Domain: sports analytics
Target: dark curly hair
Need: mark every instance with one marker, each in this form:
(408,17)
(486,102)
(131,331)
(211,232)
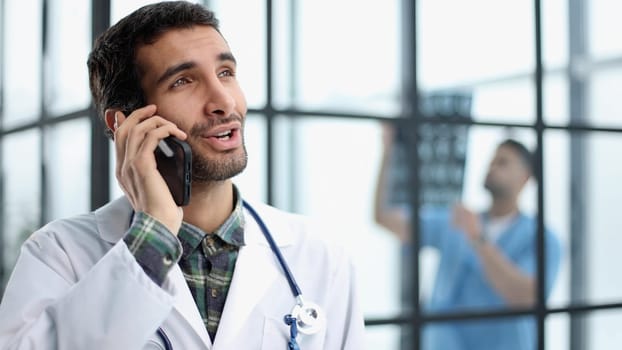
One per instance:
(114,77)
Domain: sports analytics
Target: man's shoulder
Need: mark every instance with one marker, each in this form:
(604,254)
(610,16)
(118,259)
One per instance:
(66,228)
(82,229)
(60,243)
(530,221)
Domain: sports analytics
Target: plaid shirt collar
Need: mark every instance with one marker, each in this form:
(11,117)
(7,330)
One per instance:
(231,231)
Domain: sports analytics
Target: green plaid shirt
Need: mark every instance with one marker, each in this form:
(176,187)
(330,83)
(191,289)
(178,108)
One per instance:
(153,246)
(207,259)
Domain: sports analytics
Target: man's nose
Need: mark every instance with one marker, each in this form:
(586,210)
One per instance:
(220,101)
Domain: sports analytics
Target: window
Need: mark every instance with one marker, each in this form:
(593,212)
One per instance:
(45,125)
(325,81)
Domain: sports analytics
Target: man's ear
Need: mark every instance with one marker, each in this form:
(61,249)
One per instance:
(113,118)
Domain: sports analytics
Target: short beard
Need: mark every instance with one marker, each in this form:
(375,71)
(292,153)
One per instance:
(206,170)
(495,191)
(211,170)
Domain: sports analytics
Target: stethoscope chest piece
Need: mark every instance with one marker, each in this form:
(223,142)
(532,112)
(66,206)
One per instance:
(306,318)
(310,318)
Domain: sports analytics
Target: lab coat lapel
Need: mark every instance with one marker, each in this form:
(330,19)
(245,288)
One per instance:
(185,305)
(113,220)
(255,272)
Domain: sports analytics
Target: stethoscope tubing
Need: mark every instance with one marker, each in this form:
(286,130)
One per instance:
(164,338)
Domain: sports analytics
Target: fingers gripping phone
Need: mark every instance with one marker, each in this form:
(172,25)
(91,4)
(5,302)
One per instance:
(174,160)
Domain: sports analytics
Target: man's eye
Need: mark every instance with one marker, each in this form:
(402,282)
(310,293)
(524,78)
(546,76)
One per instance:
(226,73)
(180,82)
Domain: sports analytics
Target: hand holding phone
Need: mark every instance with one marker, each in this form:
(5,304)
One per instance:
(174,161)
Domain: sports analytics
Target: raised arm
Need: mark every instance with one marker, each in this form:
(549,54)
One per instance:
(393,219)
(513,284)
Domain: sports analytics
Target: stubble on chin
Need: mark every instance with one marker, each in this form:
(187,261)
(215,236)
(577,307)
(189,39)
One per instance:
(206,170)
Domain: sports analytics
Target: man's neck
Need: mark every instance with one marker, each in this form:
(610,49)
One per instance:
(503,207)
(210,205)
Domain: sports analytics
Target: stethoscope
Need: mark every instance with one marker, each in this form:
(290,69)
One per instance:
(306,317)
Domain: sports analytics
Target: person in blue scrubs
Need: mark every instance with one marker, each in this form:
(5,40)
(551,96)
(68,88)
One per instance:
(487,260)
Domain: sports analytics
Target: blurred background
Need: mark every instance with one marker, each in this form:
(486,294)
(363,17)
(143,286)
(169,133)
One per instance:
(320,78)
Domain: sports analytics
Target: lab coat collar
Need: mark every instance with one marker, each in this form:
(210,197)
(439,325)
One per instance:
(280,229)
(113,220)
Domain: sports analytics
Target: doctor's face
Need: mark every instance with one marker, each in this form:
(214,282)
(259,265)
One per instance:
(190,75)
(507,174)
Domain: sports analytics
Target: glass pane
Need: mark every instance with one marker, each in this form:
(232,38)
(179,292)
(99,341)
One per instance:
(495,66)
(68,44)
(67,160)
(594,330)
(604,23)
(333,182)
(504,101)
(122,8)
(584,206)
(252,181)
(603,329)
(513,100)
(489,334)
(382,337)
(245,31)
(285,146)
(555,33)
(457,46)
(22,191)
(347,56)
(284,76)
(602,215)
(22,62)
(556,99)
(558,332)
(603,99)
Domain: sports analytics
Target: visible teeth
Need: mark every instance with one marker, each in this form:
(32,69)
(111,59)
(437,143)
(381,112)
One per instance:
(224,133)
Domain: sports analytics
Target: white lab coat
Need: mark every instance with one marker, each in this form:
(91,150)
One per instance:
(77,286)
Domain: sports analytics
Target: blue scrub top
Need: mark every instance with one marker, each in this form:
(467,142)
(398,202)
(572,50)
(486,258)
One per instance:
(461,284)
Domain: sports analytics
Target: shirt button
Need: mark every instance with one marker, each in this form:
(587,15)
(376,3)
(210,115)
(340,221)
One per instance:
(214,293)
(167,260)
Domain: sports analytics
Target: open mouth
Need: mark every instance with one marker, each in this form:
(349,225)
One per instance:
(224,136)
(224,140)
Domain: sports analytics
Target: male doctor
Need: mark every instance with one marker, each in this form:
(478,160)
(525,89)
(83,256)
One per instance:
(141,272)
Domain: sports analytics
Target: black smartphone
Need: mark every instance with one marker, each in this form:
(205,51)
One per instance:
(174,160)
